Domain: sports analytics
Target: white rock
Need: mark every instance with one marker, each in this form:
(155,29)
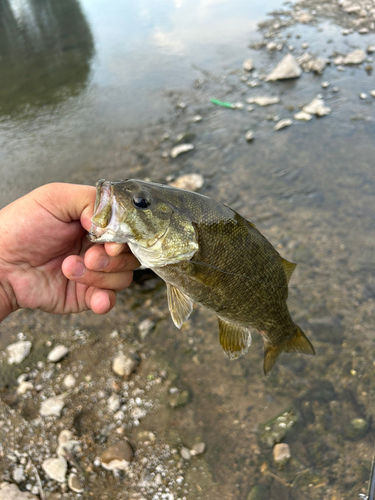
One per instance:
(124,365)
(191,182)
(18,351)
(11,492)
(303,17)
(248,64)
(181,148)
(305,45)
(18,474)
(263,100)
(24,387)
(59,352)
(185,453)
(286,122)
(316,107)
(281,453)
(302,115)
(117,456)
(355,57)
(372,92)
(197,118)
(55,468)
(362,95)
(198,449)
(74,483)
(325,85)
(249,135)
(287,68)
(114,402)
(271,46)
(317,65)
(69,381)
(145,327)
(65,436)
(52,406)
(371,49)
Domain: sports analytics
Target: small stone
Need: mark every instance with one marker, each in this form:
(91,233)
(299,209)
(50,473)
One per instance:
(52,406)
(303,17)
(263,100)
(355,57)
(275,430)
(249,135)
(362,95)
(65,436)
(287,68)
(248,65)
(281,453)
(363,31)
(250,108)
(10,491)
(123,365)
(371,49)
(356,429)
(191,182)
(335,89)
(69,381)
(181,105)
(238,105)
(305,45)
(302,115)
(372,92)
(271,46)
(74,483)
(145,327)
(325,85)
(198,449)
(114,403)
(185,453)
(19,474)
(180,399)
(58,353)
(55,468)
(316,107)
(117,456)
(283,124)
(197,118)
(18,351)
(181,148)
(25,387)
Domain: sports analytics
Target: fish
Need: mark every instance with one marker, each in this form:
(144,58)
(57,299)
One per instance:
(207,254)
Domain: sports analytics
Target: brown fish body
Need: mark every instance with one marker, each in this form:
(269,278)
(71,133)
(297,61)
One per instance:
(230,268)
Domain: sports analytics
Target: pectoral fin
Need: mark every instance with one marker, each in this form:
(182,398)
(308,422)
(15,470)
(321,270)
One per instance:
(180,305)
(289,267)
(234,339)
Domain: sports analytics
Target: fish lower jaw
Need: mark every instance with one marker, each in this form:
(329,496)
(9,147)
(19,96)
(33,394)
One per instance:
(107,236)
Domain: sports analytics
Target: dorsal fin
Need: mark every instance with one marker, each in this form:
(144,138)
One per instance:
(289,267)
(234,339)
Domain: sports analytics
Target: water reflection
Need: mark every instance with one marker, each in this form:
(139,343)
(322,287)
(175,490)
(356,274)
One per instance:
(46,48)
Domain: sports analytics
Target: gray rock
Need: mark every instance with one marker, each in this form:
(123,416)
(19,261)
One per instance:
(145,327)
(18,351)
(117,456)
(263,100)
(191,182)
(287,68)
(249,135)
(74,483)
(11,492)
(181,148)
(55,468)
(356,57)
(58,353)
(302,115)
(275,430)
(52,406)
(248,65)
(281,453)
(18,474)
(317,107)
(286,122)
(123,365)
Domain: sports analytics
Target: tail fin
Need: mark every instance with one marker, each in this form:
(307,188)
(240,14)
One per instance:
(297,343)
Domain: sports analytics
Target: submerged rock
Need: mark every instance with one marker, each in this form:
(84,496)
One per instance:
(302,115)
(263,100)
(123,365)
(10,491)
(75,484)
(283,124)
(52,406)
(287,68)
(198,449)
(59,352)
(281,453)
(182,148)
(372,92)
(249,135)
(248,65)
(191,182)
(355,57)
(275,430)
(18,351)
(371,49)
(258,492)
(55,468)
(317,107)
(117,456)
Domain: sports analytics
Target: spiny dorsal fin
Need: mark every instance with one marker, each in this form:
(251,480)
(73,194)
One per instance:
(180,305)
(297,343)
(289,267)
(234,339)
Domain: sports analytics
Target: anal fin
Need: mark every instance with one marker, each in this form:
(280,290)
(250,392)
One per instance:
(234,339)
(180,305)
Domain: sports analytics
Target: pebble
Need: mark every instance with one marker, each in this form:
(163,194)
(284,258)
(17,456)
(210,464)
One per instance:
(145,327)
(59,352)
(250,108)
(362,95)
(114,402)
(271,46)
(18,351)
(198,449)
(286,122)
(287,68)
(371,49)
(181,148)
(302,115)
(55,468)
(191,182)
(249,135)
(74,483)
(248,65)
(69,381)
(11,492)
(185,453)
(372,92)
(263,100)
(317,107)
(355,57)
(325,85)
(281,453)
(52,406)
(25,387)
(197,118)
(303,17)
(18,474)
(117,456)
(123,365)
(305,45)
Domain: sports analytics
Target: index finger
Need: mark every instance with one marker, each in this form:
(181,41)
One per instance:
(114,249)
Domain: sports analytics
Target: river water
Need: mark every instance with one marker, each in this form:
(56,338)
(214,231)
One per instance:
(93,89)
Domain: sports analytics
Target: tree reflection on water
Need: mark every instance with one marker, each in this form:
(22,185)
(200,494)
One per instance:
(46,48)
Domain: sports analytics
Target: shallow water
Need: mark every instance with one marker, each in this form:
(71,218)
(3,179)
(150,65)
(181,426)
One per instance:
(89,91)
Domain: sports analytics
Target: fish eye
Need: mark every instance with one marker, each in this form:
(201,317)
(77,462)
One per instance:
(141,201)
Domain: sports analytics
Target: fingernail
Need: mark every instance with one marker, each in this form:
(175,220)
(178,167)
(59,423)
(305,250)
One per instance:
(78,270)
(101,263)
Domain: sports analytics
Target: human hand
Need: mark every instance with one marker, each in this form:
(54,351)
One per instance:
(46,261)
